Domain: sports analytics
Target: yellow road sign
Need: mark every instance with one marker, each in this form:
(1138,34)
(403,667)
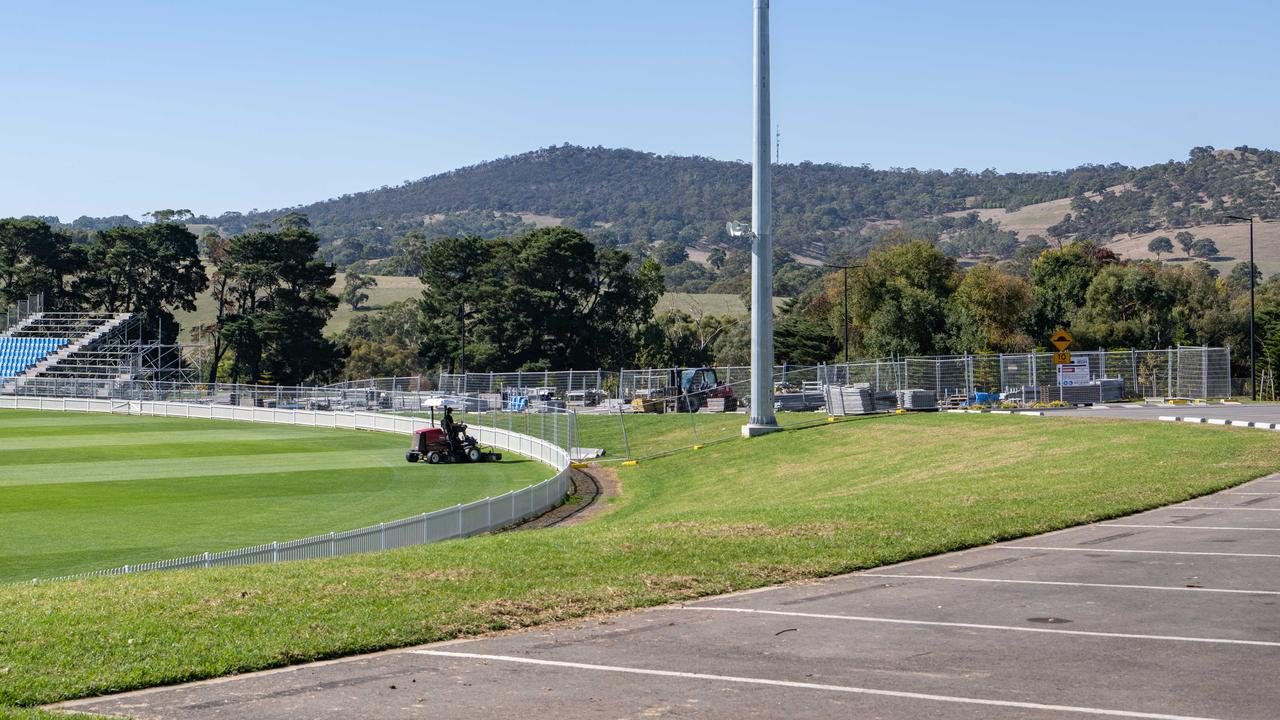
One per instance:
(1062,358)
(1062,340)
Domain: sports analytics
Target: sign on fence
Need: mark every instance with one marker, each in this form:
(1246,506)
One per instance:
(1074,373)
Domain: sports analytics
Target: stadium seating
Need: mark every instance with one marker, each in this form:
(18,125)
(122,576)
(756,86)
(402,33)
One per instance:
(18,354)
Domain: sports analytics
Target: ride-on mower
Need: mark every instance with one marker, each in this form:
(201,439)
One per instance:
(432,445)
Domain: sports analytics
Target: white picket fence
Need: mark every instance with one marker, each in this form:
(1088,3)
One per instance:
(459,521)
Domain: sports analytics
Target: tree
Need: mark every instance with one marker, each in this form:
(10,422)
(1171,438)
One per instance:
(35,259)
(799,339)
(353,290)
(372,359)
(1185,241)
(215,247)
(1159,246)
(1204,248)
(150,270)
(279,292)
(1126,306)
(991,312)
(898,301)
(1060,279)
(670,252)
(459,282)
(1238,280)
(397,320)
(548,298)
(676,339)
(716,258)
(163,217)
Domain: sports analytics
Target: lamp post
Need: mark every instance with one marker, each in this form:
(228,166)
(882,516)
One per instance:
(762,419)
(845,271)
(1253,281)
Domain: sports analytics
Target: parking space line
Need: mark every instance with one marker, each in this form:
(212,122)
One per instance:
(1059,583)
(1205,507)
(981,626)
(811,686)
(1250,493)
(1189,527)
(1141,552)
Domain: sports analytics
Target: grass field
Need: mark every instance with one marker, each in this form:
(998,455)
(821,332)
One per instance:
(84,492)
(800,504)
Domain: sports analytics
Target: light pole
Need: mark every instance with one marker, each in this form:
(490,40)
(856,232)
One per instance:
(845,271)
(762,419)
(1253,281)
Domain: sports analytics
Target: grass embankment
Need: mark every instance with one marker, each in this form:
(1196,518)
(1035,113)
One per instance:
(642,435)
(801,504)
(89,491)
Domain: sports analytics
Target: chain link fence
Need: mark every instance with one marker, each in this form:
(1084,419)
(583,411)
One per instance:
(1187,372)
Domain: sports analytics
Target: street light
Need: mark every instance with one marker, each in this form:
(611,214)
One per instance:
(1253,280)
(845,269)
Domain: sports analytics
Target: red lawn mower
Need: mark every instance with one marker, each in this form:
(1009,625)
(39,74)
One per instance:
(431,445)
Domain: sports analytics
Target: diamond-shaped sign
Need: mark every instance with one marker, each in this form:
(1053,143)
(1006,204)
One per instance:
(1062,339)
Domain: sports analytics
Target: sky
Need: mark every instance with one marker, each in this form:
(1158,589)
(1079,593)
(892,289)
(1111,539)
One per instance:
(125,107)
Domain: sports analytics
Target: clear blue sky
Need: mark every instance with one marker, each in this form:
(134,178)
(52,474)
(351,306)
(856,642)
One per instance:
(123,107)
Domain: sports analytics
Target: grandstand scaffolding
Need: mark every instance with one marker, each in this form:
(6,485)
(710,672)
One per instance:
(88,354)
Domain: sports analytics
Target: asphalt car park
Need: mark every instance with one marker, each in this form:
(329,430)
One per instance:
(1171,613)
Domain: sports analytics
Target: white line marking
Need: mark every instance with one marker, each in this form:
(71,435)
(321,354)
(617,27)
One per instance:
(1073,584)
(1249,493)
(810,686)
(1206,507)
(1187,527)
(1139,552)
(980,626)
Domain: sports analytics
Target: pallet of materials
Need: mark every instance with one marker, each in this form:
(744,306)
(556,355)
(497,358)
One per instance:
(845,400)
(917,400)
(720,405)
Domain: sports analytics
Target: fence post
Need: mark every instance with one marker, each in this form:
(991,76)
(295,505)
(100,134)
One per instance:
(275,551)
(333,544)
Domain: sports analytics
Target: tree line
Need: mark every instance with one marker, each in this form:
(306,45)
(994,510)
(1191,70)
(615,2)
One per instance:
(553,299)
(270,289)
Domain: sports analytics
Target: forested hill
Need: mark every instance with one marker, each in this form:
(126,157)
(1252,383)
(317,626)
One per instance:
(654,202)
(625,197)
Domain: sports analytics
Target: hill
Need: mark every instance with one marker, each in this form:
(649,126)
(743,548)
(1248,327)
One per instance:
(626,197)
(649,203)
(637,199)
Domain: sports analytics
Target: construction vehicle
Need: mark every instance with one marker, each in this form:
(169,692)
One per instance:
(692,389)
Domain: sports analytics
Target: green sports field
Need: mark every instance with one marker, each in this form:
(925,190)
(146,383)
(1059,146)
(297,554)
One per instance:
(87,491)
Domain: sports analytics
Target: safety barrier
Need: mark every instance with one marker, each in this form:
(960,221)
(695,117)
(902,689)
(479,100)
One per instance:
(459,521)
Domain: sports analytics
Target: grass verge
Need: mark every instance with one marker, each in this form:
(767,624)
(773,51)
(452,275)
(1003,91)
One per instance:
(801,504)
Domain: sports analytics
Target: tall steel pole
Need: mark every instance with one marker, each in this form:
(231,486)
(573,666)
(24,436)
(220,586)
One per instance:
(1253,343)
(762,419)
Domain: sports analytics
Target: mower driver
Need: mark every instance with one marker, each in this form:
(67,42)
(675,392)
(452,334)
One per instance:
(451,431)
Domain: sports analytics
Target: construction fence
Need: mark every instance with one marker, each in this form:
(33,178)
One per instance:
(1181,372)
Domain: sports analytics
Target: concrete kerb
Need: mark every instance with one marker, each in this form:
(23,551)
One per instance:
(1220,421)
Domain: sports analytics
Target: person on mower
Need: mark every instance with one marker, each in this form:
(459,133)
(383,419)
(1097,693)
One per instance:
(452,432)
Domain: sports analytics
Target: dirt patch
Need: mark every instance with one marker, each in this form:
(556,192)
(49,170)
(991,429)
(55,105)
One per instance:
(590,494)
